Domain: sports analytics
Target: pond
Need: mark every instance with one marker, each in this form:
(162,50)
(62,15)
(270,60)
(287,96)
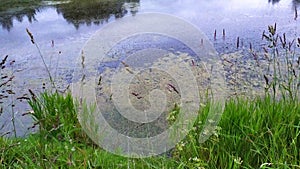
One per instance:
(61,28)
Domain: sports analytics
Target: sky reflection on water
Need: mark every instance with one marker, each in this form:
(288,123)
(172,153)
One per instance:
(246,19)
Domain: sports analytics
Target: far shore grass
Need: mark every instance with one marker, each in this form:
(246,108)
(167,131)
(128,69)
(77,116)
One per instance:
(7,5)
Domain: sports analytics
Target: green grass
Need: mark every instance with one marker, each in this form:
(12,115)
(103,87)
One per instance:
(251,134)
(55,114)
(14,4)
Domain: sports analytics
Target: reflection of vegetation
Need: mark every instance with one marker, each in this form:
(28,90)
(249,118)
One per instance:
(296,4)
(274,1)
(76,11)
(17,9)
(94,11)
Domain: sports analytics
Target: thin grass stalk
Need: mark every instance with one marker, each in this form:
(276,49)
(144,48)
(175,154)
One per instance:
(46,67)
(13,104)
(42,57)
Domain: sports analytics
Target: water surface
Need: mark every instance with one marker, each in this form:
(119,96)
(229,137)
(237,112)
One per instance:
(61,29)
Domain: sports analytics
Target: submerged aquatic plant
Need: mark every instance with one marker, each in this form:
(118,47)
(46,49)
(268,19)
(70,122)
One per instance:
(273,69)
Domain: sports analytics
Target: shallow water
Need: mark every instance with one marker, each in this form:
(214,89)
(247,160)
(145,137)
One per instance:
(61,34)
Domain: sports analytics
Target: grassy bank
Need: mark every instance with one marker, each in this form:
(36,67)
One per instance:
(255,133)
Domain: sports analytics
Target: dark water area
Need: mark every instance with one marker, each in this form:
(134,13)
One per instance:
(61,28)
